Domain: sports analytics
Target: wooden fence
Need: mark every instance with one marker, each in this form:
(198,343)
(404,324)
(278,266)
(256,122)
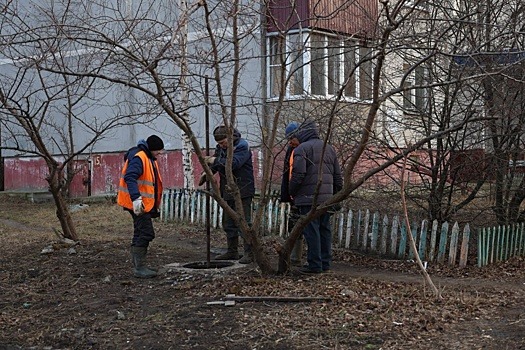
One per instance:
(500,243)
(369,232)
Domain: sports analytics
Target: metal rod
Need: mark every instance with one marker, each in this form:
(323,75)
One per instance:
(208,209)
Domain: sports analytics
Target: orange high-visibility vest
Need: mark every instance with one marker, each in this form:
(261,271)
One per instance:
(290,164)
(146,184)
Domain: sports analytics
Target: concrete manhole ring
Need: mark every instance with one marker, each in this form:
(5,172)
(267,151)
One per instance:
(204,267)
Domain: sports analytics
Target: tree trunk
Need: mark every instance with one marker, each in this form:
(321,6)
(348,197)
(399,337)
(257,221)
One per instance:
(63,215)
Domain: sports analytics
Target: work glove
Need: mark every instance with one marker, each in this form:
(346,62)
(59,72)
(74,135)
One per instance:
(202,179)
(210,160)
(138,206)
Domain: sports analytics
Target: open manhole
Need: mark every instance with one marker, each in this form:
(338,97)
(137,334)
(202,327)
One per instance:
(208,265)
(205,267)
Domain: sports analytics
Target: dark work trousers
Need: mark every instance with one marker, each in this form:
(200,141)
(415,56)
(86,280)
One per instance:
(143,231)
(293,217)
(228,224)
(318,236)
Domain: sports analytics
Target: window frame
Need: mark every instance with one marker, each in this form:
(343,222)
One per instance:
(415,91)
(329,83)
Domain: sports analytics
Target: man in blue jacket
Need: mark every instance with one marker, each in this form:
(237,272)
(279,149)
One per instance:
(242,168)
(140,193)
(316,176)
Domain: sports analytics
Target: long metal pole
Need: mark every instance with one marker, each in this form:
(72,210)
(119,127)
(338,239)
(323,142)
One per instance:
(208,210)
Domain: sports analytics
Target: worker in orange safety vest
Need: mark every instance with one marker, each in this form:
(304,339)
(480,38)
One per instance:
(140,193)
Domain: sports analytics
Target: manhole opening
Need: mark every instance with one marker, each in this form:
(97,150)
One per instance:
(210,265)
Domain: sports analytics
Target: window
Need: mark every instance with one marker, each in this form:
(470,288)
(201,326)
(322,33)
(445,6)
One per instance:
(317,66)
(276,64)
(350,69)
(312,63)
(296,50)
(334,66)
(415,95)
(365,73)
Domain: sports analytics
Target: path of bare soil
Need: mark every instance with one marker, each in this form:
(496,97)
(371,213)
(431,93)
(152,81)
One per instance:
(84,297)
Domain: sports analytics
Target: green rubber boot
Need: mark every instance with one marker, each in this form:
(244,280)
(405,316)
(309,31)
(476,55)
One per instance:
(247,258)
(140,270)
(233,250)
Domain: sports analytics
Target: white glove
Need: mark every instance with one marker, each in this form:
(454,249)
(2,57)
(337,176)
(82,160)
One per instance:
(138,206)
(209,159)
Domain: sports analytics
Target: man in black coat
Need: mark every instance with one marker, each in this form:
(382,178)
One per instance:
(315,163)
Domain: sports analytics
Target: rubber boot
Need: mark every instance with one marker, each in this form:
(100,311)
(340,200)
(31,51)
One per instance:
(233,250)
(247,258)
(140,270)
(296,257)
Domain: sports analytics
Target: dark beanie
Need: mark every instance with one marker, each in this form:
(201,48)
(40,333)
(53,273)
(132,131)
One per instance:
(155,143)
(291,129)
(220,133)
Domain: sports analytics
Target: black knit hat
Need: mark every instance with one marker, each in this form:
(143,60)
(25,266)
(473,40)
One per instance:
(155,143)
(220,133)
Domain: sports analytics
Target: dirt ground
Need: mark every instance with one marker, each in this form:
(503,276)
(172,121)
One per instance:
(84,297)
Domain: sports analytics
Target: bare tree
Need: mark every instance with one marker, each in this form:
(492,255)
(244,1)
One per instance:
(312,72)
(41,111)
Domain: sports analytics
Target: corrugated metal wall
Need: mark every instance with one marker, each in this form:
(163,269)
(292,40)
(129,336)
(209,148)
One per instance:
(29,173)
(358,17)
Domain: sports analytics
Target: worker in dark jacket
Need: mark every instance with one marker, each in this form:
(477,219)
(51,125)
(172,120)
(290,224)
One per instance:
(242,168)
(293,215)
(309,166)
(140,193)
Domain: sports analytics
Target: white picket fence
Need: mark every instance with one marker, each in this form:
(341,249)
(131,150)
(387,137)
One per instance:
(190,206)
(352,229)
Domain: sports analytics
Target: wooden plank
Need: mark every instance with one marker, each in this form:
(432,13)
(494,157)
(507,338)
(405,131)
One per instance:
(499,243)
(433,241)
(217,215)
(192,207)
(507,242)
(453,245)
(269,215)
(384,236)
(183,205)
(402,241)
(393,235)
(413,229)
(340,228)
(443,243)
(349,221)
(199,203)
(283,221)
(364,242)
(518,233)
(502,243)
(374,232)
(492,244)
(486,239)
(276,217)
(481,247)
(358,228)
(521,241)
(423,240)
(463,255)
